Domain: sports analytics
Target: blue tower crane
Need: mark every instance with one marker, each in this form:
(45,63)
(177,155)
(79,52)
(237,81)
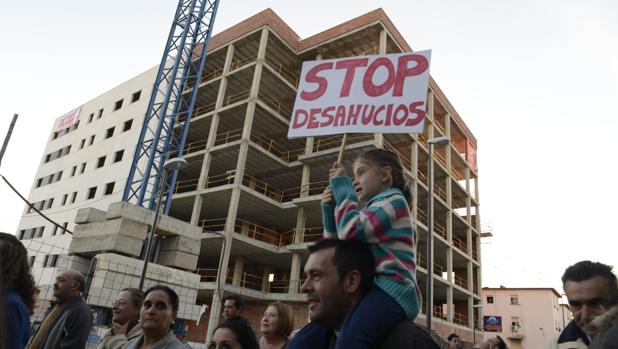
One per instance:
(167,118)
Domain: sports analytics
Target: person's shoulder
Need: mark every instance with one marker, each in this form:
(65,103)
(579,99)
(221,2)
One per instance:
(392,195)
(407,334)
(14,303)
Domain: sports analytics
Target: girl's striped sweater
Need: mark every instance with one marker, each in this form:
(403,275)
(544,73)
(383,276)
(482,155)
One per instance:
(385,224)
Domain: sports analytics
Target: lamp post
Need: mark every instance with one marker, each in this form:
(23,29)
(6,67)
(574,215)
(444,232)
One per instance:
(170,165)
(429,295)
(477,306)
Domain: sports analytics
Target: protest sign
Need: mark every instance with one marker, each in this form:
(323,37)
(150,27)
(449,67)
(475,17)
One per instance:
(367,94)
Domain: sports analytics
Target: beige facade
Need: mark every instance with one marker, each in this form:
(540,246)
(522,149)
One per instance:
(530,317)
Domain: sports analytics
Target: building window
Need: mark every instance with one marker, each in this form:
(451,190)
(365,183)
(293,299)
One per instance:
(127,125)
(118,155)
(50,203)
(91,140)
(64,199)
(100,162)
(100,113)
(64,227)
(90,118)
(39,182)
(91,192)
(20,235)
(490,300)
(58,176)
(514,300)
(73,171)
(50,260)
(118,104)
(73,196)
(136,96)
(55,231)
(31,260)
(109,188)
(109,132)
(82,168)
(39,232)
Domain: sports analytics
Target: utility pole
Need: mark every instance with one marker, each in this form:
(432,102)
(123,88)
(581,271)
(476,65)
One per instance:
(8,137)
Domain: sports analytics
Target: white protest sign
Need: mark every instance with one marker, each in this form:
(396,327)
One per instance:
(367,94)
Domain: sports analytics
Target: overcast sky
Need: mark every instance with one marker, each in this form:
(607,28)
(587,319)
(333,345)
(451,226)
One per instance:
(535,81)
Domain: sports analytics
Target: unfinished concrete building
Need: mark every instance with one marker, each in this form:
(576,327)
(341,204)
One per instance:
(256,193)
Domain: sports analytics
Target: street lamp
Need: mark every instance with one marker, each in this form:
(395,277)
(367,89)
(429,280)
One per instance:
(170,165)
(433,141)
(477,306)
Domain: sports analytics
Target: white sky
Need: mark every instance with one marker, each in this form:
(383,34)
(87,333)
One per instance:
(535,81)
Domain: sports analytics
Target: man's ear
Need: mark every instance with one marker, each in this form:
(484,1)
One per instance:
(352,281)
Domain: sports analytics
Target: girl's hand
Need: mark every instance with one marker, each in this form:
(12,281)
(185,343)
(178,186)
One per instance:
(337,170)
(327,196)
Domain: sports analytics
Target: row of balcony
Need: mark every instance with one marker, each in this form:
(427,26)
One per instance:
(257,185)
(270,284)
(264,234)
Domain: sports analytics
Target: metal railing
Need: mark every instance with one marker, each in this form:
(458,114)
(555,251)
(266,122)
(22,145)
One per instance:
(239,62)
(461,282)
(282,70)
(405,159)
(195,146)
(274,148)
(460,244)
(273,102)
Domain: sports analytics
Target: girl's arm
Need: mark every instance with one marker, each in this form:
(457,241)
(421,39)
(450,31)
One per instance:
(385,219)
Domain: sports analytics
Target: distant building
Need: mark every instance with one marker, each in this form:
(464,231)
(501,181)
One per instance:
(524,317)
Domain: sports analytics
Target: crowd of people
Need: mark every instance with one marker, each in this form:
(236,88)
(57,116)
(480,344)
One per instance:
(360,284)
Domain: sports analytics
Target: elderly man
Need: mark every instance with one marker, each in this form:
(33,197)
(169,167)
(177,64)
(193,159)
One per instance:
(339,273)
(68,323)
(591,288)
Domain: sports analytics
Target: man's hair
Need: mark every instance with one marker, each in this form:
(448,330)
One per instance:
(586,270)
(137,296)
(501,343)
(451,336)
(349,256)
(79,277)
(237,300)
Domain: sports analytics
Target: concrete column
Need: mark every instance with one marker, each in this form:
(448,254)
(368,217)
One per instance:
(468,200)
(450,308)
(265,284)
(295,273)
(239,265)
(470,312)
(379,137)
(212,134)
(383,37)
(470,277)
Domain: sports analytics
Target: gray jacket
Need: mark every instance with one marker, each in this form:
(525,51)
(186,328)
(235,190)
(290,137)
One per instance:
(71,328)
(167,342)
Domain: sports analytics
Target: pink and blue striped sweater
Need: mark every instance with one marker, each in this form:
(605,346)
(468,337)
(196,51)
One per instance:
(385,224)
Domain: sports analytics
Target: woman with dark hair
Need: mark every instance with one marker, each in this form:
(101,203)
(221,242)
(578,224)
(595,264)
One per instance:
(18,292)
(125,319)
(234,333)
(156,318)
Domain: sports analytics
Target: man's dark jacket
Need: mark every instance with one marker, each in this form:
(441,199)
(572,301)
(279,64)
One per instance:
(71,328)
